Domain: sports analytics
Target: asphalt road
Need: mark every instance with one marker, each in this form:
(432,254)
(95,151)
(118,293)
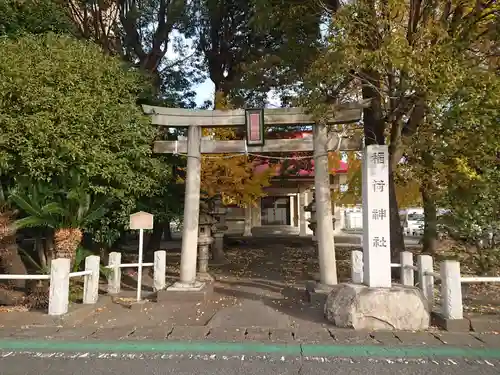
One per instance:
(35,363)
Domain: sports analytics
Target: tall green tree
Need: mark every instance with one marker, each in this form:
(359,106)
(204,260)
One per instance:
(244,43)
(403,56)
(456,159)
(33,17)
(142,32)
(65,106)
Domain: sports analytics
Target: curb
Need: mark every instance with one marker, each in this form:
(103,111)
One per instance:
(240,348)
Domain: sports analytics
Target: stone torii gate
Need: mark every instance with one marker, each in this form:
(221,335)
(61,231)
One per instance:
(255,121)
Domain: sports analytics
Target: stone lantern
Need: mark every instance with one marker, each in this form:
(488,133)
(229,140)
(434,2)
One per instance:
(311,207)
(219,213)
(205,239)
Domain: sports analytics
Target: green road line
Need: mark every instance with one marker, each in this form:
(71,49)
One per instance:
(248,348)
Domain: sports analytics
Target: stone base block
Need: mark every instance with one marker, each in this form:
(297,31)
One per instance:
(132,303)
(316,293)
(452,325)
(363,308)
(182,293)
(204,277)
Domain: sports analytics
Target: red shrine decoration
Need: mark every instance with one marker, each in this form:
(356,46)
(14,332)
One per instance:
(254,123)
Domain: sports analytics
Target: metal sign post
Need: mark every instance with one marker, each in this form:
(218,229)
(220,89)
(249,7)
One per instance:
(140,220)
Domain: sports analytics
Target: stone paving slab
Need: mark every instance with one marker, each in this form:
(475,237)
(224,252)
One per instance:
(227,334)
(319,336)
(75,333)
(151,333)
(490,339)
(250,313)
(457,339)
(189,333)
(417,338)
(385,338)
(113,333)
(34,332)
(281,335)
(484,323)
(352,337)
(258,334)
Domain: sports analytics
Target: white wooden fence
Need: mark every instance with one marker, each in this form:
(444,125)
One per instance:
(449,276)
(60,275)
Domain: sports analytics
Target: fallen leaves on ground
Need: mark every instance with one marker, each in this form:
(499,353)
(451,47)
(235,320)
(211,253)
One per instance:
(7,309)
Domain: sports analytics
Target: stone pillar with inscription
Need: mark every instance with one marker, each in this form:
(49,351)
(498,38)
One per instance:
(376,224)
(378,305)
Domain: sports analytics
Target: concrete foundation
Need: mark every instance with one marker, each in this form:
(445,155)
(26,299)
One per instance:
(453,325)
(317,293)
(179,292)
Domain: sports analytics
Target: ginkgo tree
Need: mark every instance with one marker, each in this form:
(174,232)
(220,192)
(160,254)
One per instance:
(455,156)
(407,187)
(404,58)
(230,176)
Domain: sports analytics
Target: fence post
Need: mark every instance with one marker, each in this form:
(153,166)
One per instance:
(407,272)
(115,274)
(451,290)
(91,281)
(426,280)
(160,269)
(357,267)
(59,286)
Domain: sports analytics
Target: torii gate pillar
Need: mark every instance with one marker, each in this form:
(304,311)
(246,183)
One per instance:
(189,249)
(324,222)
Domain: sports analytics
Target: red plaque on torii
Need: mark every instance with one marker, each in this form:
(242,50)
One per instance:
(254,123)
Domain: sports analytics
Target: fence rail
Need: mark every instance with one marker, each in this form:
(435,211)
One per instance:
(24,277)
(477,279)
(129,265)
(449,277)
(60,275)
(80,273)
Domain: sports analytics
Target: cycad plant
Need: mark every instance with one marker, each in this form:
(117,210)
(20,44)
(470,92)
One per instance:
(68,213)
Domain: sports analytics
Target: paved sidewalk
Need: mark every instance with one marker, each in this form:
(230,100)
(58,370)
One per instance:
(258,299)
(292,336)
(233,315)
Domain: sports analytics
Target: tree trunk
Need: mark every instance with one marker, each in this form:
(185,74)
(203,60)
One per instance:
(154,242)
(397,237)
(40,250)
(10,260)
(430,222)
(167,233)
(49,245)
(373,121)
(66,242)
(104,253)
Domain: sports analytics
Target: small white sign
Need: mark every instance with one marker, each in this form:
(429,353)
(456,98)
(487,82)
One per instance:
(141,220)
(376,221)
